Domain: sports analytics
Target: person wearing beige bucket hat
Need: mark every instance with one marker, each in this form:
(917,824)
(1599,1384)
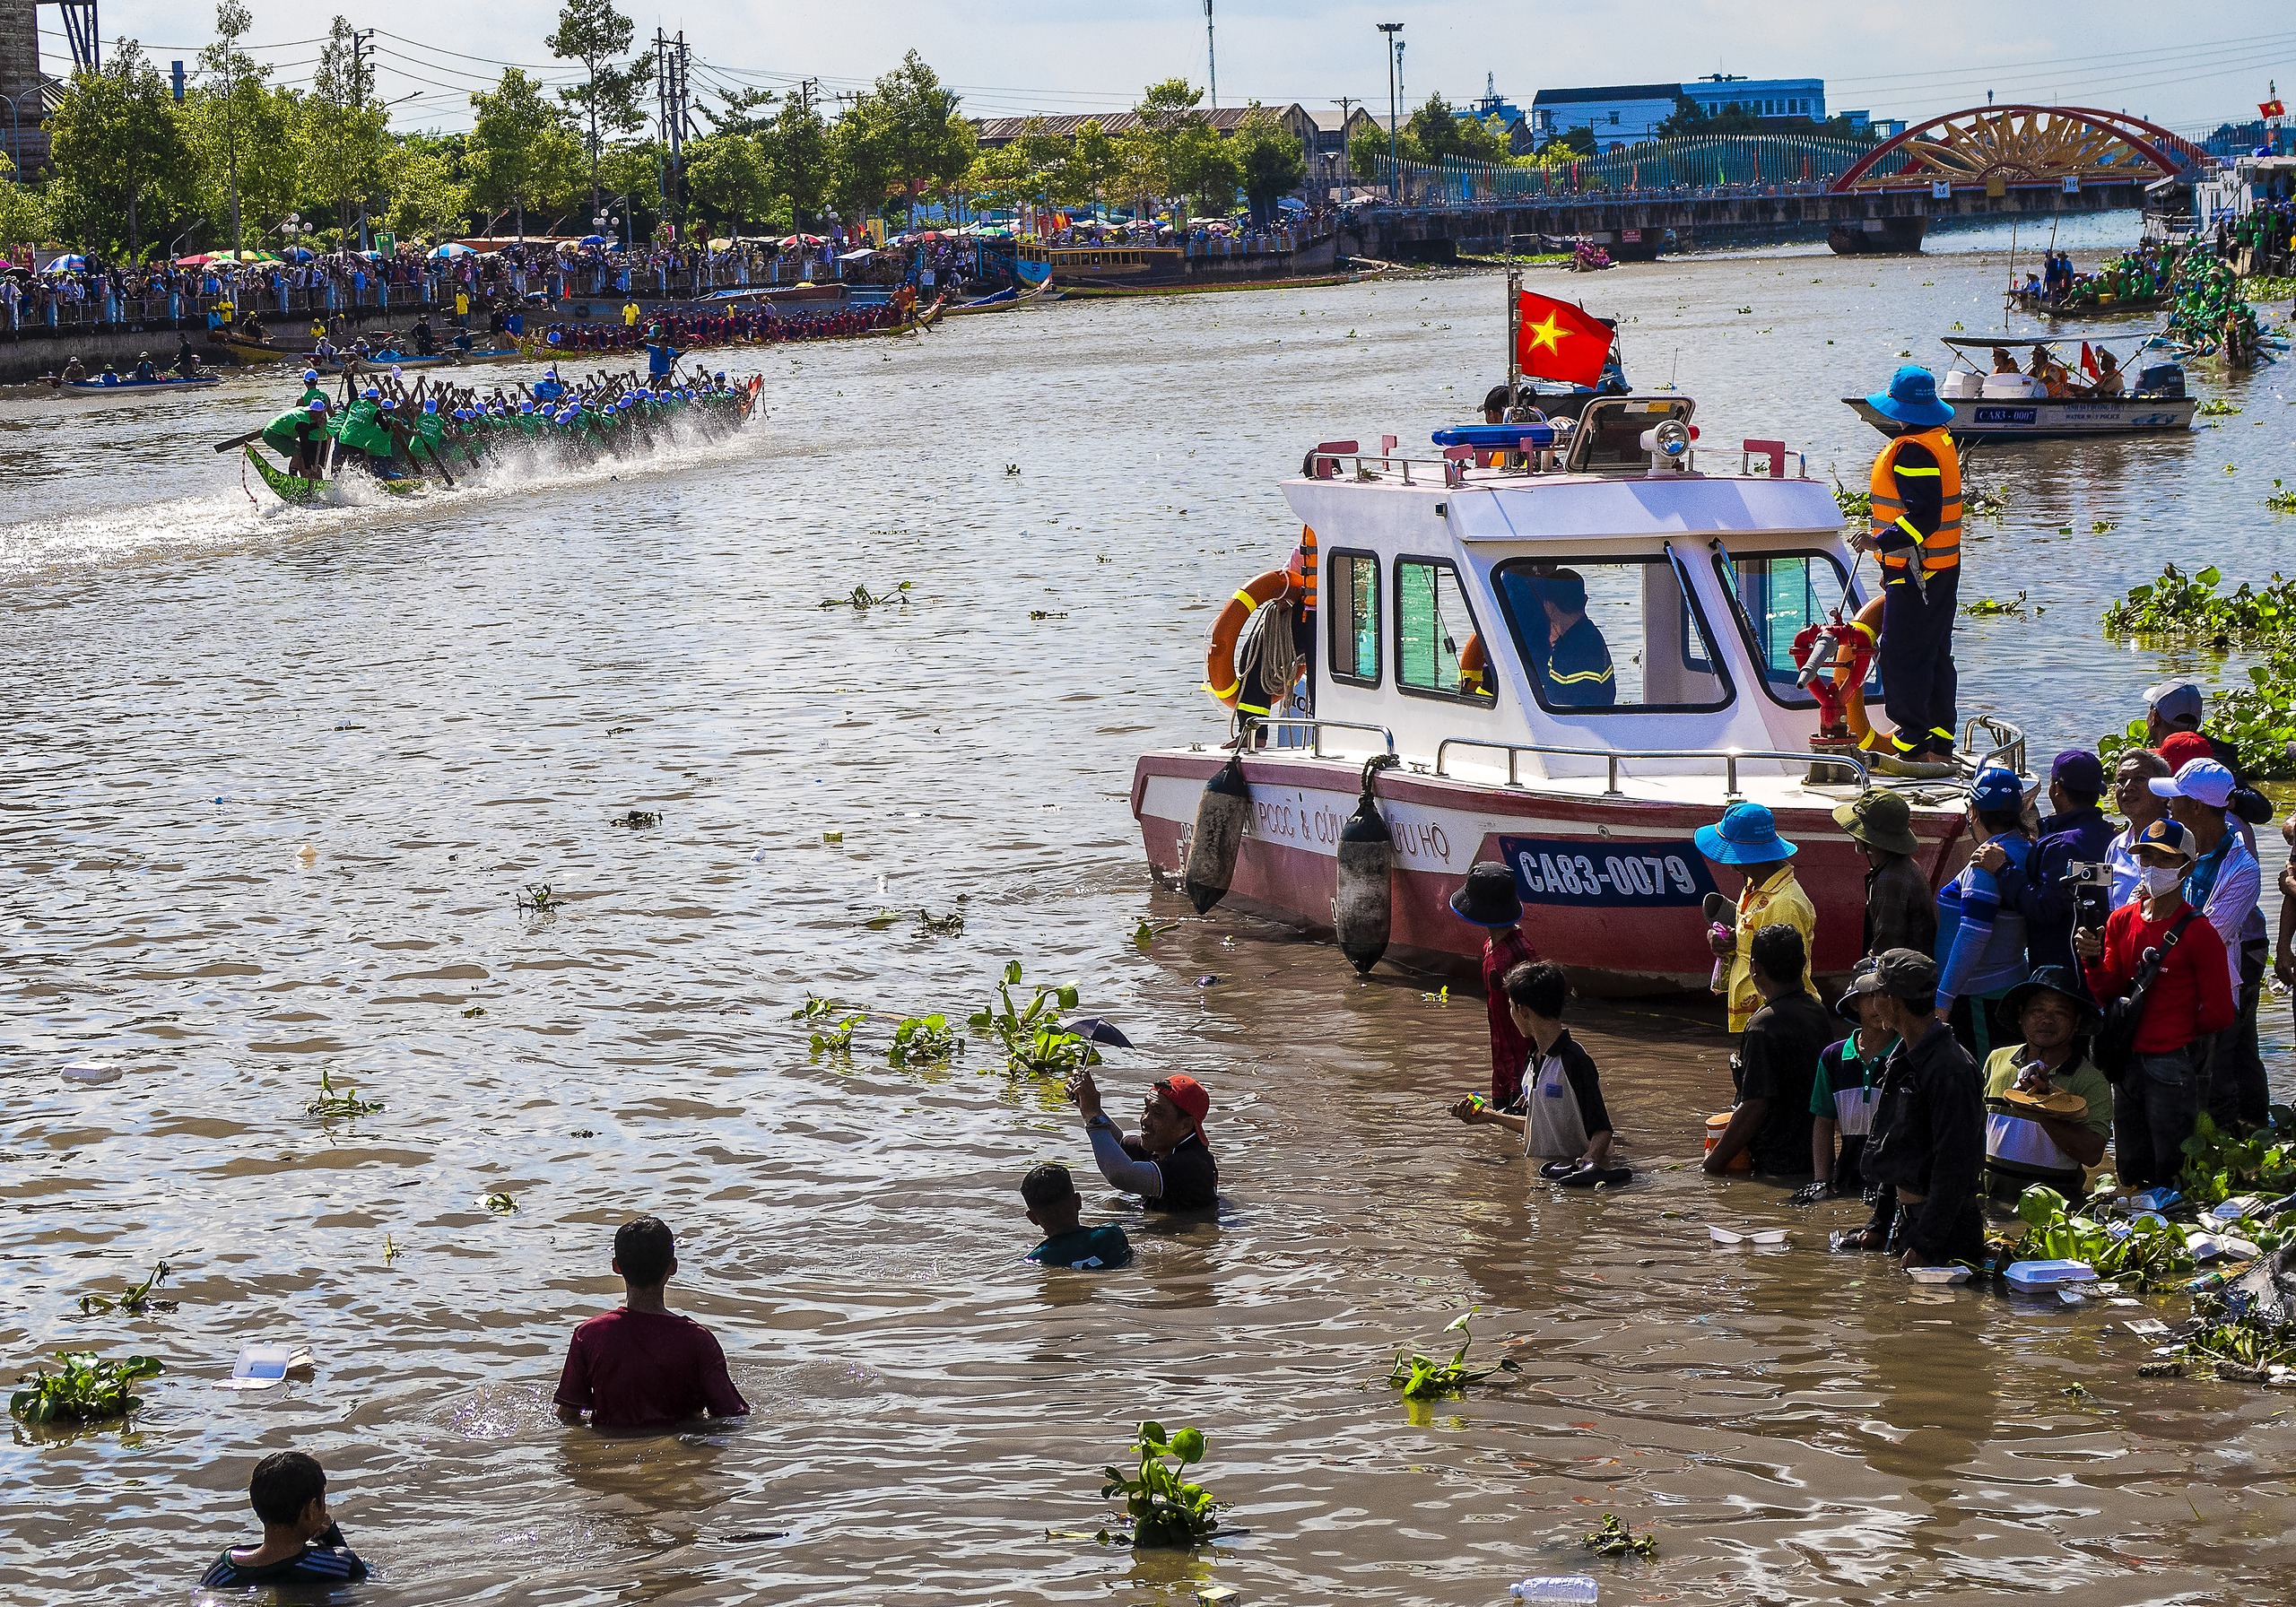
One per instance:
(1900,906)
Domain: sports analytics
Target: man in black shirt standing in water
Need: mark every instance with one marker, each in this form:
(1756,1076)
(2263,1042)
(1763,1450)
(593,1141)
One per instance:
(1168,1166)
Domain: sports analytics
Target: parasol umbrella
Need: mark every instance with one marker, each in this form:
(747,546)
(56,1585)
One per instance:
(66,265)
(721,245)
(594,239)
(452,249)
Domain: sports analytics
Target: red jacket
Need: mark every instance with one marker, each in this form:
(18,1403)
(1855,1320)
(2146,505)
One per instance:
(2191,998)
(1503,951)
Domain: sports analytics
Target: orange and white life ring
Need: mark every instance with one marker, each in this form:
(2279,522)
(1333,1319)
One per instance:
(1220,677)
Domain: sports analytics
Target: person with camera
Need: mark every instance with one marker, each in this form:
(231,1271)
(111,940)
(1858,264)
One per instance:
(2161,973)
(2073,837)
(2225,882)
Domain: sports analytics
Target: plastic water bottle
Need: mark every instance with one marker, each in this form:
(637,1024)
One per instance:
(1576,1588)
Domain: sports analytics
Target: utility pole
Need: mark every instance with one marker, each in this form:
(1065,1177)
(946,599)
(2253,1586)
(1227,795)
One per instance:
(670,97)
(1345,105)
(1210,57)
(360,84)
(1395,90)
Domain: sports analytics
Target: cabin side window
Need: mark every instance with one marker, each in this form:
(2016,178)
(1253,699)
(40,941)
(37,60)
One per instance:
(1350,596)
(1438,653)
(1776,596)
(1611,634)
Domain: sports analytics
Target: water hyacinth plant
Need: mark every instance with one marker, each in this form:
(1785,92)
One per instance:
(832,1024)
(1168,1511)
(1615,1539)
(334,1103)
(1034,1042)
(1424,1378)
(924,1040)
(84,1389)
(135,1299)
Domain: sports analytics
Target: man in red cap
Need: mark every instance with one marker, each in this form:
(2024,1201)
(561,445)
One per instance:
(1168,1166)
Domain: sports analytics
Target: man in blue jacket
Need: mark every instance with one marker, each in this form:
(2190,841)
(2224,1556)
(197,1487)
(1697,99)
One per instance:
(2076,833)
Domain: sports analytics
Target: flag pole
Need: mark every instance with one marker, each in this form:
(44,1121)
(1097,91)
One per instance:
(1514,311)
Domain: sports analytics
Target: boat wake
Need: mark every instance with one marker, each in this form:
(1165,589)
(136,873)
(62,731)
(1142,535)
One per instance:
(231,515)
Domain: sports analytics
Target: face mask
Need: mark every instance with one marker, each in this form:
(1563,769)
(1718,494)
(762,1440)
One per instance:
(2159,879)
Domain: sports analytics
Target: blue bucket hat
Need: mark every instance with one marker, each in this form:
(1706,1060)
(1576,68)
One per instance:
(1911,399)
(1748,835)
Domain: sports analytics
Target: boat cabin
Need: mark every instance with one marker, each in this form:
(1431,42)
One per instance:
(1598,593)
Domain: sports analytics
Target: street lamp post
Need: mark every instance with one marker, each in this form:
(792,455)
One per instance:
(1394,49)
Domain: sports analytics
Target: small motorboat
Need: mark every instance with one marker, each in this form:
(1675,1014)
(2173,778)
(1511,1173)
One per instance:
(2005,407)
(1560,646)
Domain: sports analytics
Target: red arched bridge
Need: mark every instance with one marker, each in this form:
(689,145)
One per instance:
(1995,148)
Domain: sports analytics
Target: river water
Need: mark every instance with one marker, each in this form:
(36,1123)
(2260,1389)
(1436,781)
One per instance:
(447,701)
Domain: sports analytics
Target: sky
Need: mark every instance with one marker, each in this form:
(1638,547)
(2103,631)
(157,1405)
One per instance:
(1895,59)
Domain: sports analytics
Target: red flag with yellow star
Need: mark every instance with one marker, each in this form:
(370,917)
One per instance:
(1554,340)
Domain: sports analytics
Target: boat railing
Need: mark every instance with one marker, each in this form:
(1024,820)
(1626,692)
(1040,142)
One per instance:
(2008,740)
(1252,728)
(1730,758)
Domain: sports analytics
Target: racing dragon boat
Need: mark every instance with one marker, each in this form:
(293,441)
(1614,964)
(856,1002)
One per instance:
(1561,647)
(466,447)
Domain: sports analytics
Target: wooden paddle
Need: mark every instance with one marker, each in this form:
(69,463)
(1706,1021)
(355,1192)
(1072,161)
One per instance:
(240,440)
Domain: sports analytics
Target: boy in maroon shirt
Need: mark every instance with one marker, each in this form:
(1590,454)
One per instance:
(644,1369)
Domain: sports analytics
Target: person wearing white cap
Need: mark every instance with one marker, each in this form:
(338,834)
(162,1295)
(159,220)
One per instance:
(2224,885)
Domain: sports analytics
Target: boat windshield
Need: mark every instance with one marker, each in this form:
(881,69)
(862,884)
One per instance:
(1610,633)
(1776,596)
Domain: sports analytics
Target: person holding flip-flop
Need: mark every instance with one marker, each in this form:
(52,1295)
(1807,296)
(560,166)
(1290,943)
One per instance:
(1560,1113)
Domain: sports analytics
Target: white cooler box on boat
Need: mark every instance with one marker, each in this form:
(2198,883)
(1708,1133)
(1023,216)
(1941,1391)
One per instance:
(2012,387)
(1962,385)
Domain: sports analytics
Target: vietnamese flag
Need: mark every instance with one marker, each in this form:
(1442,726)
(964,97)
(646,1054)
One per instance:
(2273,108)
(2089,361)
(1554,340)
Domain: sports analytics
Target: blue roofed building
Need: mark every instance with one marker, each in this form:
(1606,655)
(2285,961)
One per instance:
(1794,97)
(1618,114)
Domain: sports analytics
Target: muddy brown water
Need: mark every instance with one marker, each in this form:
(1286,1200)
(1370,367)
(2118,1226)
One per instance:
(448,701)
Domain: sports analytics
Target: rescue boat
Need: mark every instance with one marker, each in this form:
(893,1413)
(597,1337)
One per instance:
(1563,647)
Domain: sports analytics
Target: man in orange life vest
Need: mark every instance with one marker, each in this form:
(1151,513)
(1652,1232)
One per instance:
(1917,491)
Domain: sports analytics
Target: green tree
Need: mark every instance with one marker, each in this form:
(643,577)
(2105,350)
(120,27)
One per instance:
(1152,154)
(1270,162)
(521,153)
(727,180)
(23,219)
(611,99)
(913,123)
(345,130)
(1001,178)
(860,161)
(118,156)
(1434,131)
(1204,168)
(1571,142)
(260,123)
(1093,164)
(423,197)
(230,70)
(798,152)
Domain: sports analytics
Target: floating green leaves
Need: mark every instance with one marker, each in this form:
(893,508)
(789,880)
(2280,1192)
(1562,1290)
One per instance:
(1034,1042)
(1615,1539)
(334,1103)
(2178,605)
(135,1299)
(1167,1509)
(539,900)
(924,1040)
(635,819)
(84,1389)
(501,1204)
(862,599)
(2217,408)
(1146,932)
(832,1022)
(1987,607)
(1424,1378)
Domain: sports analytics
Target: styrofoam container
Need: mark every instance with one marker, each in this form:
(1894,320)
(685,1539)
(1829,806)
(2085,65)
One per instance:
(2049,1274)
(1938,1274)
